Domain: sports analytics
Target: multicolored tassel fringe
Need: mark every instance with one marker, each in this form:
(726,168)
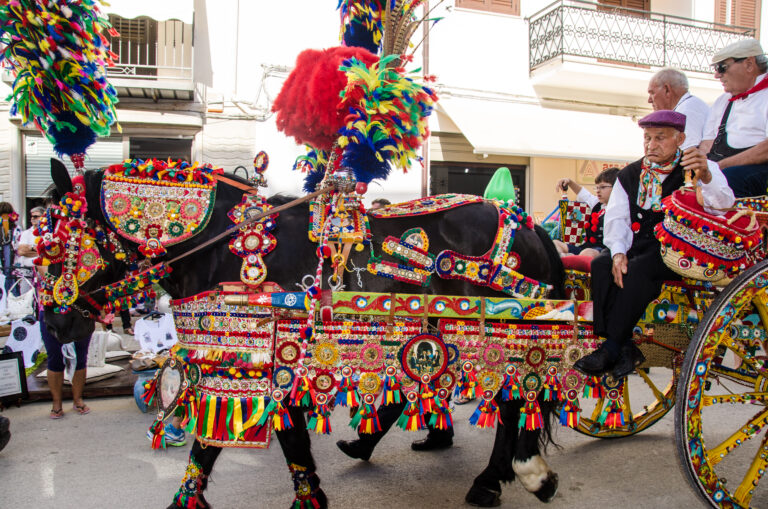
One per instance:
(530,416)
(486,415)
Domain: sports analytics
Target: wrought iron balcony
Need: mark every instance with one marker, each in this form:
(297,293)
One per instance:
(585,29)
(158,52)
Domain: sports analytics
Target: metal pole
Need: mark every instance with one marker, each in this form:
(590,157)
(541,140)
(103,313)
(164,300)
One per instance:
(425,68)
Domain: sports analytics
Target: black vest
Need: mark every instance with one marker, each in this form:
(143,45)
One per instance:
(720,148)
(641,220)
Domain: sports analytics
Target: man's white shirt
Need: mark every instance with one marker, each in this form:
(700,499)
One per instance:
(696,112)
(748,122)
(617,230)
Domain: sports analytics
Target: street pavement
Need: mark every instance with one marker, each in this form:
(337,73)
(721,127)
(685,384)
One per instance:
(104,460)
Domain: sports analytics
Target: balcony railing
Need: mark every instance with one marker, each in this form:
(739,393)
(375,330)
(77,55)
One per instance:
(586,29)
(151,50)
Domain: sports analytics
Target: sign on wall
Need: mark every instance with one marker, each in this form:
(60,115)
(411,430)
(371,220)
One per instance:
(587,170)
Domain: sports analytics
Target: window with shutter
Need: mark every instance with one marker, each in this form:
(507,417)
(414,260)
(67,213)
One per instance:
(640,5)
(740,13)
(500,6)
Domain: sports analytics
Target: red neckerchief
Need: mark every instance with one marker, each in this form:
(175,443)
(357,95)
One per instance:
(761,85)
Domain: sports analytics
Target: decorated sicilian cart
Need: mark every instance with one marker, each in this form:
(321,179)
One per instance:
(402,306)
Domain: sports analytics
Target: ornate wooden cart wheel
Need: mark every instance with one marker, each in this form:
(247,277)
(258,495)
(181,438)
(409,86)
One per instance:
(723,389)
(653,393)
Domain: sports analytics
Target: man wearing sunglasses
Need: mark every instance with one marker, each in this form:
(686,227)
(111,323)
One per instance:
(737,126)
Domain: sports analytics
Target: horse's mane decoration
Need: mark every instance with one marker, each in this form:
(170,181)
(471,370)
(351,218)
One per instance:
(158,203)
(58,57)
(703,246)
(66,238)
(255,241)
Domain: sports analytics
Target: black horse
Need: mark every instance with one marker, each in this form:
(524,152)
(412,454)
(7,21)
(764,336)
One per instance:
(469,230)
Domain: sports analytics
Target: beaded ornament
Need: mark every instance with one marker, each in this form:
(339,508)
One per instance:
(255,241)
(158,203)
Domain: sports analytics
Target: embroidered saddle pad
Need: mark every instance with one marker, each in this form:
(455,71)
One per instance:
(428,205)
(157,212)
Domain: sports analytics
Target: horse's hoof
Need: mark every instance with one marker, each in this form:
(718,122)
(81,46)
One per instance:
(480,496)
(548,488)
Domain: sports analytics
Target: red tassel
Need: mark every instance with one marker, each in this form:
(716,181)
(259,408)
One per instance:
(593,388)
(320,417)
(442,418)
(552,390)
(281,419)
(149,391)
(392,393)
(411,419)
(427,396)
(510,388)
(613,415)
(158,434)
(486,415)
(531,417)
(465,387)
(569,414)
(302,393)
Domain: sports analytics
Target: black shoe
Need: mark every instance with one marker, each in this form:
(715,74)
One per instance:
(597,363)
(355,449)
(629,358)
(431,444)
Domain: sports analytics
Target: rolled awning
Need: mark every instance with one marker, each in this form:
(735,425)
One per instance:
(159,10)
(516,129)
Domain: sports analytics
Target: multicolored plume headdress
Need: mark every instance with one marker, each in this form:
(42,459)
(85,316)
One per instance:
(58,56)
(352,108)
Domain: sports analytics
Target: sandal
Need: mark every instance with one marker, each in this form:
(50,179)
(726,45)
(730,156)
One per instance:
(82,409)
(462,400)
(57,414)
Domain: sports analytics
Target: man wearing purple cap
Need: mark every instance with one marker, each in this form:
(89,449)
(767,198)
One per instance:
(628,275)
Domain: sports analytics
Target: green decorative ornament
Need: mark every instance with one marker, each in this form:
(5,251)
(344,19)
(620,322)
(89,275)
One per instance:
(501,187)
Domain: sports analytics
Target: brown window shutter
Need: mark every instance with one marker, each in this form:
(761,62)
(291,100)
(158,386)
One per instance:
(502,6)
(641,5)
(744,13)
(720,11)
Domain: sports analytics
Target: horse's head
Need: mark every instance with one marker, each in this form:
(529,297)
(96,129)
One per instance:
(81,255)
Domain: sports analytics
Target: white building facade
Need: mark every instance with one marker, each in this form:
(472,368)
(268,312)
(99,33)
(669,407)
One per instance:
(549,90)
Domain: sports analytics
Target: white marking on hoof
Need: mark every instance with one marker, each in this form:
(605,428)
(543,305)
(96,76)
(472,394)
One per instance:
(531,472)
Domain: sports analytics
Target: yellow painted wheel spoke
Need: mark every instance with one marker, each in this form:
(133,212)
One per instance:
(747,487)
(626,407)
(598,409)
(745,432)
(745,397)
(734,347)
(656,392)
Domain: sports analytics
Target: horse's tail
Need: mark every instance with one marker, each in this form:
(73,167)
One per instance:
(558,272)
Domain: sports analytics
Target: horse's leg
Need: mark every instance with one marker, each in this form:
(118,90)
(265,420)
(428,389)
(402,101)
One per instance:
(486,489)
(201,460)
(531,469)
(296,449)
(362,448)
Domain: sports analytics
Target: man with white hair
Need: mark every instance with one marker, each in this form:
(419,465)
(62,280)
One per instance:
(668,90)
(737,127)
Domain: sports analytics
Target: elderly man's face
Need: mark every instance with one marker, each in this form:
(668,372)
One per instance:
(660,96)
(738,75)
(661,143)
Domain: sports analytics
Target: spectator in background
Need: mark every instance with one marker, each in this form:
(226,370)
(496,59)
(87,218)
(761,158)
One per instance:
(379,203)
(9,234)
(668,90)
(26,248)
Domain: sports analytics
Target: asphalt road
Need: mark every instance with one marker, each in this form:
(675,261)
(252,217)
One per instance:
(104,460)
